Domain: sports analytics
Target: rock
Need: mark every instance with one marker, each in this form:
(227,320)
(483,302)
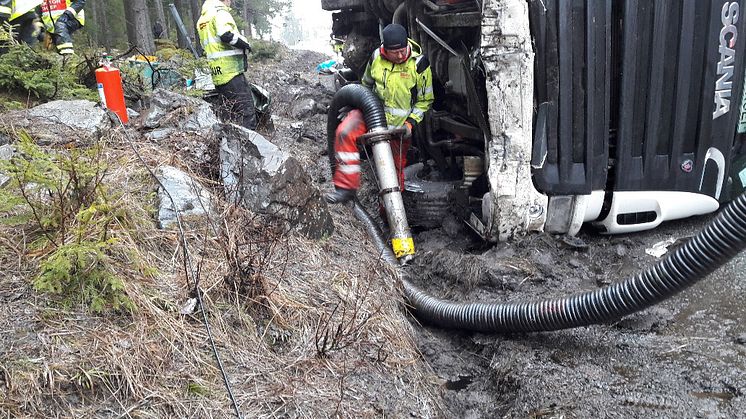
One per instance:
(573,242)
(267,180)
(169,109)
(190,197)
(620,250)
(132,114)
(159,134)
(303,108)
(60,121)
(741,339)
(453,227)
(6,152)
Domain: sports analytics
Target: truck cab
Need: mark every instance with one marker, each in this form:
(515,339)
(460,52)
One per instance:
(550,114)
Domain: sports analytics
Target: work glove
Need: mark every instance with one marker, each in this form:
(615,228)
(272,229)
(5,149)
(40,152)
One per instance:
(38,31)
(408,128)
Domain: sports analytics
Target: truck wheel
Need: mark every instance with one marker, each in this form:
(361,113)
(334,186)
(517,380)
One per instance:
(427,201)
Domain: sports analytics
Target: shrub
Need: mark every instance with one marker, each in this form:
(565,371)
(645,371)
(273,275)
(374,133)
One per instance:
(81,272)
(24,71)
(62,194)
(264,50)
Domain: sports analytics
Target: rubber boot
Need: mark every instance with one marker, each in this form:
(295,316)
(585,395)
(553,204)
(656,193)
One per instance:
(340,196)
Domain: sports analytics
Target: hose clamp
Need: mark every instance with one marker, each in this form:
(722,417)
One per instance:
(376,136)
(389,190)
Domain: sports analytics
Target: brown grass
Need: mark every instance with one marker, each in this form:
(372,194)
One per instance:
(305,328)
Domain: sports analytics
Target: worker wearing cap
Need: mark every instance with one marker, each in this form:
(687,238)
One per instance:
(399,74)
(61,19)
(226,51)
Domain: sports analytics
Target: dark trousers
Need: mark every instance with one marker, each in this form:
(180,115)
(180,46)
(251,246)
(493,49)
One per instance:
(236,104)
(24,28)
(64,29)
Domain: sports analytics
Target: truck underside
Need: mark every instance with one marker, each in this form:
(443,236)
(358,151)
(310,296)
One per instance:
(553,113)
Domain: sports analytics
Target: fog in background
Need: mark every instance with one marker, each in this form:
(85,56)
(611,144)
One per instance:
(304,26)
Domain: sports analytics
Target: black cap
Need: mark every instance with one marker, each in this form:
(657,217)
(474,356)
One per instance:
(394,37)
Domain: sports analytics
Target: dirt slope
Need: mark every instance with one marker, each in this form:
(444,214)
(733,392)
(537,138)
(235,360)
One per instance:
(311,329)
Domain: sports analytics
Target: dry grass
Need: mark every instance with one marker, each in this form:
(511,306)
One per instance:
(305,328)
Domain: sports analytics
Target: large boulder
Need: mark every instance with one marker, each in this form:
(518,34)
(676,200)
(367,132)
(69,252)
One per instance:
(60,121)
(172,110)
(192,200)
(259,175)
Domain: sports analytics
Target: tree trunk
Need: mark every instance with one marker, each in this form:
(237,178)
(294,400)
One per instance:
(185,19)
(103,25)
(139,28)
(248,18)
(160,11)
(196,12)
(95,12)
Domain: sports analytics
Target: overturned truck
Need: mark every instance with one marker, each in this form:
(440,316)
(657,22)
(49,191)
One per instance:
(554,113)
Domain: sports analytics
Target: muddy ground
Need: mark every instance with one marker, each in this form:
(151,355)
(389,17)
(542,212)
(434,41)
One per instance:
(683,358)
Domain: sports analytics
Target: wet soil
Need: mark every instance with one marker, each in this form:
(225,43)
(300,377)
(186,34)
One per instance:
(682,358)
(685,357)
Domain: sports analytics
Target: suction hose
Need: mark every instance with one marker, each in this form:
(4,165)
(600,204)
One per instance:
(378,136)
(721,240)
(353,96)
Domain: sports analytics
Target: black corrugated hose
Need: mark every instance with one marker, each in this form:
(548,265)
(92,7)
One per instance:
(721,240)
(353,96)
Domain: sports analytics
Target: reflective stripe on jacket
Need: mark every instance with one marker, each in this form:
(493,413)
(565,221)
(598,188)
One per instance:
(405,90)
(226,62)
(5,8)
(51,10)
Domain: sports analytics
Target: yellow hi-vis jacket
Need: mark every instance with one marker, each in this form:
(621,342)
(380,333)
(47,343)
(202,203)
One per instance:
(13,9)
(51,10)
(405,89)
(226,62)
(21,7)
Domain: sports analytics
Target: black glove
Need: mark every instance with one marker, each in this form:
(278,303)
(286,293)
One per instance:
(69,14)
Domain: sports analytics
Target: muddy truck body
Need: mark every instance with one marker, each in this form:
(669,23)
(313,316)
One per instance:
(554,113)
